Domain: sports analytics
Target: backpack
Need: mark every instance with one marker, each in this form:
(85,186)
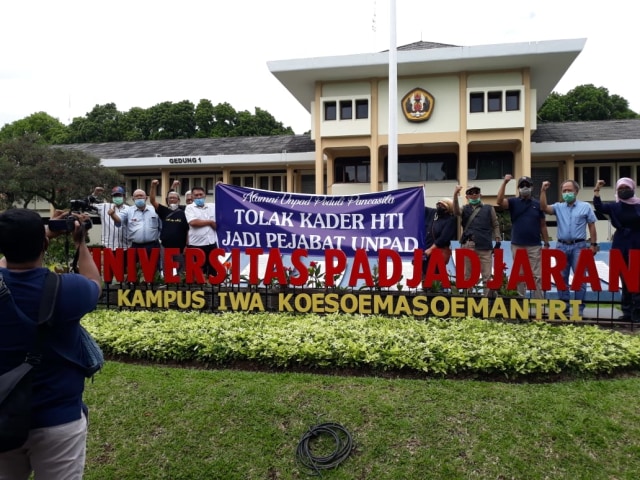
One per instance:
(15,385)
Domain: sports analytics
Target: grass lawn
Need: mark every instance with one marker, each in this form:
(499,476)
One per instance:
(160,422)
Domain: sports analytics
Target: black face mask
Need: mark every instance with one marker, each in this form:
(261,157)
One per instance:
(625,194)
(441,210)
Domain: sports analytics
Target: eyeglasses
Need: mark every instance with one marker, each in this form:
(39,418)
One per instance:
(473,193)
(524,185)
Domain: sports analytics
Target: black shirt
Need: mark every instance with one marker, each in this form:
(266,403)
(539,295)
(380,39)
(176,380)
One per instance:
(174,227)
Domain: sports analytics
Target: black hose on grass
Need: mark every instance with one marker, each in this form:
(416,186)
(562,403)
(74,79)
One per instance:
(343,447)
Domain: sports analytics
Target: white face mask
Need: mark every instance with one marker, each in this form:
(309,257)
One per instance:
(173,206)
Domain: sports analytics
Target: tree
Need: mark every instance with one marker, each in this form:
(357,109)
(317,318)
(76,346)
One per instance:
(51,130)
(260,124)
(172,120)
(585,103)
(33,169)
(102,124)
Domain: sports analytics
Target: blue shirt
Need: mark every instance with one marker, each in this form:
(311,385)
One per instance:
(58,384)
(143,226)
(525,221)
(573,219)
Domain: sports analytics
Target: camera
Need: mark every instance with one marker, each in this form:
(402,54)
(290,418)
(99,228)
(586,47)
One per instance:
(68,224)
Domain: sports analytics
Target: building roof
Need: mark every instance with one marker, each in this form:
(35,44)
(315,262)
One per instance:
(584,131)
(547,62)
(612,136)
(600,137)
(194,147)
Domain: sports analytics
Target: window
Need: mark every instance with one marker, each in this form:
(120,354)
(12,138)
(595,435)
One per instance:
(263,182)
(476,102)
(209,186)
(185,183)
(362,109)
(588,177)
(605,174)
(352,170)
(427,168)
(494,101)
(637,174)
(626,171)
(489,165)
(346,110)
(512,102)
(330,111)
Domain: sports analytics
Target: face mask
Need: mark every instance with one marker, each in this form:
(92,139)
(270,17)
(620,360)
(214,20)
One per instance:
(118,200)
(625,194)
(199,202)
(525,191)
(140,202)
(441,210)
(173,206)
(474,201)
(569,197)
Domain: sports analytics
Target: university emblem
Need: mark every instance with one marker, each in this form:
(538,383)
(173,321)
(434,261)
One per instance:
(417,105)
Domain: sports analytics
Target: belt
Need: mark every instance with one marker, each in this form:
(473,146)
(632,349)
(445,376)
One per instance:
(145,244)
(572,242)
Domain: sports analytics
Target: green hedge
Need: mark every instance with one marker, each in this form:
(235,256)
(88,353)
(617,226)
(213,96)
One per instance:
(432,347)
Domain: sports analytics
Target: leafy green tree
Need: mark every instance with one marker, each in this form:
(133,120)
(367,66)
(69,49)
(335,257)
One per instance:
(260,124)
(136,125)
(102,124)
(172,120)
(585,103)
(51,130)
(33,169)
(205,118)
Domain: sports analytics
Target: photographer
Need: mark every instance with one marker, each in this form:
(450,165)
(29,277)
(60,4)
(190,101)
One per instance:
(56,446)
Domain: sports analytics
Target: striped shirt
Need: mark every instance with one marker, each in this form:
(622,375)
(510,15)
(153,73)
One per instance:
(112,237)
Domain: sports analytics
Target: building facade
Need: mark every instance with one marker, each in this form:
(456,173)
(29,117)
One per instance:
(466,115)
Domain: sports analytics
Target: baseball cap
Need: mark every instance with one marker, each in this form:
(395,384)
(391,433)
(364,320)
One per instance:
(522,180)
(472,189)
(117,191)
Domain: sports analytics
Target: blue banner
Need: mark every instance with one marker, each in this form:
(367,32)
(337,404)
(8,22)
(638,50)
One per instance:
(251,218)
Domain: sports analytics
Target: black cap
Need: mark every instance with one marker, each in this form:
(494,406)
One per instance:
(521,180)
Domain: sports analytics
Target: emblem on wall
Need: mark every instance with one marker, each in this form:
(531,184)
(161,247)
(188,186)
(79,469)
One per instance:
(417,105)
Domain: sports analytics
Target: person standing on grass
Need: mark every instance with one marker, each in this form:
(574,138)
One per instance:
(56,446)
(574,218)
(625,217)
(528,228)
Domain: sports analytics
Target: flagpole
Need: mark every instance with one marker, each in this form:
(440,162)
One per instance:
(392,157)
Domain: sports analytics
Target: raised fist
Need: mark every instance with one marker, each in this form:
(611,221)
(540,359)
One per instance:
(155,182)
(601,183)
(546,184)
(508,177)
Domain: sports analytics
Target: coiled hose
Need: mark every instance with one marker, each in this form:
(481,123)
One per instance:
(343,447)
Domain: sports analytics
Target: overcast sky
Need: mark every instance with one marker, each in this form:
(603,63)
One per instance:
(64,57)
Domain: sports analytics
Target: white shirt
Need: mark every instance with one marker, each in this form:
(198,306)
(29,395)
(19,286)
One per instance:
(112,237)
(201,236)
